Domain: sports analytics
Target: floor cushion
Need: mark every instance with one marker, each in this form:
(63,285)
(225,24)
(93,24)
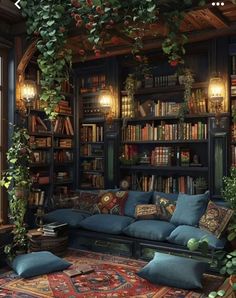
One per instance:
(183,233)
(38,263)
(174,271)
(149,229)
(189,209)
(135,198)
(106,223)
(70,216)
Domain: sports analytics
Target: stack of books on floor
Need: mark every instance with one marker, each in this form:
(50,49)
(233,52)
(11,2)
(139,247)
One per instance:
(55,229)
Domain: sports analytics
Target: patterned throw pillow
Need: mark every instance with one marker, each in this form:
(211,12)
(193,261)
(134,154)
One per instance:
(215,219)
(146,211)
(87,202)
(165,207)
(112,203)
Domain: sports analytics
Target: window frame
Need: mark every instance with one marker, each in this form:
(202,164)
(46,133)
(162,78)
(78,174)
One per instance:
(3,132)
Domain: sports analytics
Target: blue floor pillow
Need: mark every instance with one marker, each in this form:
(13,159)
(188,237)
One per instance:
(174,271)
(38,263)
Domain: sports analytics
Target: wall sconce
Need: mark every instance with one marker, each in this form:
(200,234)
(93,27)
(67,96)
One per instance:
(106,100)
(28,94)
(216,95)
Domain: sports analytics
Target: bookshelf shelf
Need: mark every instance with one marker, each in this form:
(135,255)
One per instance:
(167,89)
(37,165)
(165,168)
(92,171)
(91,156)
(63,148)
(58,135)
(41,134)
(166,142)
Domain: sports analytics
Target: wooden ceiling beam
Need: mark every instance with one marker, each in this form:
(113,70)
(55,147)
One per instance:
(216,18)
(157,43)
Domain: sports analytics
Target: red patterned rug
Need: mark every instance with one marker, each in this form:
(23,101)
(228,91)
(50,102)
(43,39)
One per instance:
(112,277)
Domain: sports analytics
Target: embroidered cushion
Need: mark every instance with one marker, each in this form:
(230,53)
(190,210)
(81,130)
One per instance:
(135,198)
(174,271)
(87,201)
(146,211)
(112,203)
(165,207)
(215,219)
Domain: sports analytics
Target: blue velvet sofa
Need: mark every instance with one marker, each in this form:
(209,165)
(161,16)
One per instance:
(139,238)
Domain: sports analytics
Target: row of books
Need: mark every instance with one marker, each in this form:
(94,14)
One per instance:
(233,84)
(184,184)
(127,107)
(66,86)
(91,133)
(39,142)
(96,164)
(36,197)
(92,83)
(40,156)
(91,149)
(150,132)
(36,124)
(233,65)
(63,143)
(63,125)
(40,178)
(62,176)
(63,107)
(91,107)
(92,181)
(63,156)
(233,155)
(233,132)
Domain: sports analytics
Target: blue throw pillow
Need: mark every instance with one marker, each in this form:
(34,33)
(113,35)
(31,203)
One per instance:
(37,263)
(189,209)
(135,198)
(182,234)
(71,216)
(174,271)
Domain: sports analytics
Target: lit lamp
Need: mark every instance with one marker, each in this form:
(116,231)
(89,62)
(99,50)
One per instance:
(106,102)
(216,94)
(28,94)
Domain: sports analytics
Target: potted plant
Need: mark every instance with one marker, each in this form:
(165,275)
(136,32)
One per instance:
(16,180)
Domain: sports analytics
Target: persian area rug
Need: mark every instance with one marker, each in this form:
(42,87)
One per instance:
(112,277)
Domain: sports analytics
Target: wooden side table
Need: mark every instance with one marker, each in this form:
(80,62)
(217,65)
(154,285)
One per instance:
(56,245)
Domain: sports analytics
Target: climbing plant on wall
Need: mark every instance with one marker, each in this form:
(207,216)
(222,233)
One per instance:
(98,22)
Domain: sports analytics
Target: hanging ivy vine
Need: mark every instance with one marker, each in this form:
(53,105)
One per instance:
(49,23)
(98,21)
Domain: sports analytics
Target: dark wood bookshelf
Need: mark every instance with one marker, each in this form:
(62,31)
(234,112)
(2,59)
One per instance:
(164,168)
(166,142)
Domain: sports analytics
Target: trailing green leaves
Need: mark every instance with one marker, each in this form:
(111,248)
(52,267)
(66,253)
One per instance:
(49,24)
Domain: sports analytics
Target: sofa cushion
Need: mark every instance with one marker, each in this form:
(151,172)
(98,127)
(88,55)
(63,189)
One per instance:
(112,203)
(182,234)
(38,263)
(70,216)
(146,211)
(106,223)
(165,207)
(87,201)
(174,271)
(149,229)
(189,209)
(135,198)
(171,196)
(215,219)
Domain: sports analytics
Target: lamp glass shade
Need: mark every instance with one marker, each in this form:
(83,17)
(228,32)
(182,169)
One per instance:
(216,89)
(105,99)
(29,90)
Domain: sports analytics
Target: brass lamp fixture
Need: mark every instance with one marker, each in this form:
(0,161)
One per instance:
(28,93)
(106,100)
(216,95)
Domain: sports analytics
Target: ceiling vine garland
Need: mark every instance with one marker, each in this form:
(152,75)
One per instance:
(98,22)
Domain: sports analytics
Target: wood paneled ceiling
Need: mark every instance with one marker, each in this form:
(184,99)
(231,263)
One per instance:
(201,23)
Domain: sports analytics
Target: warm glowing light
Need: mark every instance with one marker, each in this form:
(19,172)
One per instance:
(105,99)
(28,90)
(216,89)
